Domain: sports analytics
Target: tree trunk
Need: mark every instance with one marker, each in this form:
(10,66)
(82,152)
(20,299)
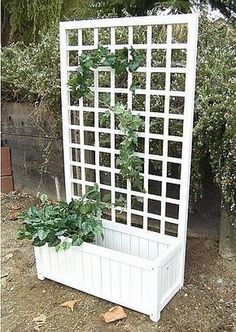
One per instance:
(227,245)
(5,26)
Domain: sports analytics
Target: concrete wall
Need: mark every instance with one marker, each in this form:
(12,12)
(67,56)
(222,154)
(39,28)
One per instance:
(27,143)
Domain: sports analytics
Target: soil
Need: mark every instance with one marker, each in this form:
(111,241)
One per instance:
(205,303)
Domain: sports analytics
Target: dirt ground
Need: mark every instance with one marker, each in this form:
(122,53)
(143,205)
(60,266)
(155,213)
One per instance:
(206,302)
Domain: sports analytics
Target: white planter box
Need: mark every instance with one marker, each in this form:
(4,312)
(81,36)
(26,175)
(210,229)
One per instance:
(136,269)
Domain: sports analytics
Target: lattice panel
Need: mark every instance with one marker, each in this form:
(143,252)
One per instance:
(164,99)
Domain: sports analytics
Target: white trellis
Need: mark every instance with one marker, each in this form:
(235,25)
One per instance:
(138,268)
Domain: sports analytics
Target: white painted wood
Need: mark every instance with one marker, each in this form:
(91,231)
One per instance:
(112,117)
(187,134)
(166,127)
(65,115)
(134,246)
(39,262)
(131,21)
(120,277)
(131,231)
(154,289)
(125,281)
(106,275)
(133,267)
(135,46)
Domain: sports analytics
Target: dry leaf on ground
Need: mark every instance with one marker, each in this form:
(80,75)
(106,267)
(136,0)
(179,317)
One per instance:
(15,207)
(7,257)
(114,314)
(40,319)
(70,304)
(14,216)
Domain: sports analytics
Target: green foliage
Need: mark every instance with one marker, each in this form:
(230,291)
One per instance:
(60,224)
(129,164)
(141,8)
(26,20)
(138,7)
(79,81)
(215,117)
(30,18)
(31,73)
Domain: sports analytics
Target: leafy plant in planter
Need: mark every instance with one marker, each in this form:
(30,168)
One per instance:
(62,224)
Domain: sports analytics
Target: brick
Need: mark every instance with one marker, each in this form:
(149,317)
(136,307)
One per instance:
(6,184)
(5,161)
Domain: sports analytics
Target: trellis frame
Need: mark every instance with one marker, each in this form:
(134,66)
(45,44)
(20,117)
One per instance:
(176,245)
(191,46)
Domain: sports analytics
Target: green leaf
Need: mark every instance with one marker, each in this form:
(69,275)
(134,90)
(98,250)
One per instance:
(61,232)
(43,198)
(66,244)
(54,242)
(104,119)
(94,193)
(20,234)
(42,234)
(85,227)
(38,243)
(76,240)
(32,211)
(132,88)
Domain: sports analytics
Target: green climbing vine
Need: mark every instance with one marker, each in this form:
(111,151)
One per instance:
(79,82)
(128,162)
